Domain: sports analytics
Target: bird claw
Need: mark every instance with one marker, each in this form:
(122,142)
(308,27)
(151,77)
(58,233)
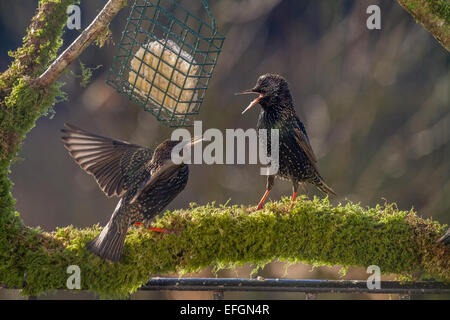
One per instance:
(160,230)
(166,231)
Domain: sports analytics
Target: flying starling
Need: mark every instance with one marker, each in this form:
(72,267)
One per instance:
(145,181)
(445,239)
(297,161)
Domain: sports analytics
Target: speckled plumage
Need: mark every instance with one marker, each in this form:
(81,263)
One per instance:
(145,181)
(296,157)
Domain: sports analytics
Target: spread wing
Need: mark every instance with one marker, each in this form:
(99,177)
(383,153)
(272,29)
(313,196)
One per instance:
(114,164)
(302,140)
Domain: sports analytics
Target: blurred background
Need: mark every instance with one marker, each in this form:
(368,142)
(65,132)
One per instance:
(375,104)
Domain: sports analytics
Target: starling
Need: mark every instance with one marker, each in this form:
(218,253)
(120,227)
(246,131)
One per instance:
(445,239)
(297,161)
(145,181)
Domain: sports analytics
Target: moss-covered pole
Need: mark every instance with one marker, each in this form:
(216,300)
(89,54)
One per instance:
(434,15)
(22,103)
(21,106)
(314,232)
(40,46)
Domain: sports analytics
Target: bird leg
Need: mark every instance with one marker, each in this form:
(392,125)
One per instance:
(261,202)
(294,192)
(270,180)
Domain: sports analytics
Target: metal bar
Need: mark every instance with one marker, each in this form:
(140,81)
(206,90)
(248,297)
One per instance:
(311,296)
(218,295)
(291,285)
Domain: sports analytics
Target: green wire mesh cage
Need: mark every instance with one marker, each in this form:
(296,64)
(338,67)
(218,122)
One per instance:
(166,58)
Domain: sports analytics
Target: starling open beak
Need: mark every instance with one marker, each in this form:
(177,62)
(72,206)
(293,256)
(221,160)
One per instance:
(194,141)
(254,102)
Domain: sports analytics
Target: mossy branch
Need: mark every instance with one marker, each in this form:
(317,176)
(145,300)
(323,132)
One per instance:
(434,15)
(313,232)
(91,33)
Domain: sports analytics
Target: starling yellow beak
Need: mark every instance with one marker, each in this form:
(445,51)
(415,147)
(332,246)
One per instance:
(254,102)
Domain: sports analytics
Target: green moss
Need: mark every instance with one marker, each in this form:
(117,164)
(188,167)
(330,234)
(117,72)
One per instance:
(86,74)
(442,9)
(434,15)
(314,232)
(104,38)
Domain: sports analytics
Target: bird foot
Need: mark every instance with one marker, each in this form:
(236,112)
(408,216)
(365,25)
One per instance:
(166,231)
(160,230)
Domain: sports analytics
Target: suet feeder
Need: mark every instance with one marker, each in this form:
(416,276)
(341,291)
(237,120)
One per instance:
(166,58)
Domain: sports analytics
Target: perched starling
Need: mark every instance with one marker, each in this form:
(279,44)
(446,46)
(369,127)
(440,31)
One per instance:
(445,239)
(145,181)
(296,157)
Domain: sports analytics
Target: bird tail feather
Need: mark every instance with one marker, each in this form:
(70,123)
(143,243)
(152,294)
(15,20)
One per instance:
(322,186)
(109,244)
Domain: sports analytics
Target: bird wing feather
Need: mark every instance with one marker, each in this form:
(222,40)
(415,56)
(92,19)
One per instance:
(302,139)
(113,163)
(162,174)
